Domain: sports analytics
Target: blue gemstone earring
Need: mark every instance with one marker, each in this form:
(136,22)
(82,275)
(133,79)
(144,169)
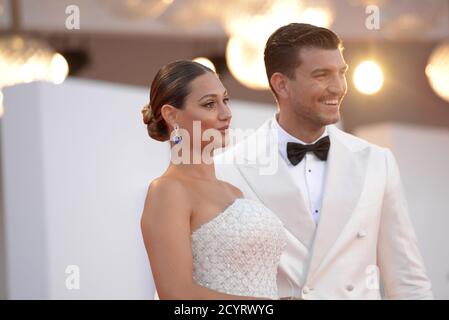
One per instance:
(176,138)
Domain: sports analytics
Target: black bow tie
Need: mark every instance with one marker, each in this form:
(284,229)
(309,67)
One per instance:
(297,151)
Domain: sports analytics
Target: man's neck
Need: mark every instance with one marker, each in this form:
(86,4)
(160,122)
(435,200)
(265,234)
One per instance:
(301,130)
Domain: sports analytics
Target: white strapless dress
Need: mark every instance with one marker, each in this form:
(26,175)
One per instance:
(238,251)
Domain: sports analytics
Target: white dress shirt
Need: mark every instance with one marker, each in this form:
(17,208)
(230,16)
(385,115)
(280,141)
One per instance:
(308,175)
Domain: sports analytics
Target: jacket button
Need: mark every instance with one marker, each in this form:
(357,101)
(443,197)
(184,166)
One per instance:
(349,287)
(361,234)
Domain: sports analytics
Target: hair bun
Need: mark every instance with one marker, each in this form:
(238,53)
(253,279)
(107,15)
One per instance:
(146,113)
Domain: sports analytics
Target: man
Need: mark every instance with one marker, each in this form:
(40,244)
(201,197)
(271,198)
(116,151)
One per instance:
(339,197)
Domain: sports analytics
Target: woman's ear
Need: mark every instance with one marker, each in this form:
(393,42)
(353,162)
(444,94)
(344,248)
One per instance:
(279,82)
(169,114)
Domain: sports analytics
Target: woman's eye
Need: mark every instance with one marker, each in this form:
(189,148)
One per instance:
(226,100)
(209,104)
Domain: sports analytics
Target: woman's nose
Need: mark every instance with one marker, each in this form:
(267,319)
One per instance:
(225,113)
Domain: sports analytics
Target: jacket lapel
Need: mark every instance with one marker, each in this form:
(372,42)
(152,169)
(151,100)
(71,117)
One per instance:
(344,182)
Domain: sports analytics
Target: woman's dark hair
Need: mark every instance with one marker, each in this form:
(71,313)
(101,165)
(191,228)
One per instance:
(282,47)
(171,85)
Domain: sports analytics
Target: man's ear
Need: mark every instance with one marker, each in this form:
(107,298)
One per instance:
(279,82)
(169,113)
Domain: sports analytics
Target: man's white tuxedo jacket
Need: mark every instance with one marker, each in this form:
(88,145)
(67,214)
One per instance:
(364,236)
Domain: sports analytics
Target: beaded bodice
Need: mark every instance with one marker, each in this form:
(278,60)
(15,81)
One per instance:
(238,251)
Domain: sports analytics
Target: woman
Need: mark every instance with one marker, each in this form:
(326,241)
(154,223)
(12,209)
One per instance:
(204,240)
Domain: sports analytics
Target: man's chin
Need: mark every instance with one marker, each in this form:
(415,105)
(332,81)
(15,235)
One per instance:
(330,119)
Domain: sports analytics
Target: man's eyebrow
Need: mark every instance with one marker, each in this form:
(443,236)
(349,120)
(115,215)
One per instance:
(318,70)
(213,95)
(345,67)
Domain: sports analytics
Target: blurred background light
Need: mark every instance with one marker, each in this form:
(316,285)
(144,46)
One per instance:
(248,34)
(23,60)
(368,77)
(245,62)
(437,70)
(133,9)
(247,23)
(206,62)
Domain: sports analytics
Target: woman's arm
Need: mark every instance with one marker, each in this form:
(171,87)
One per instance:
(166,231)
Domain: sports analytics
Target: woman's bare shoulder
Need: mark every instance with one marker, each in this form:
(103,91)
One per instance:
(167,193)
(166,184)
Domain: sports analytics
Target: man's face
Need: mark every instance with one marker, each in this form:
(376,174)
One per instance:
(316,92)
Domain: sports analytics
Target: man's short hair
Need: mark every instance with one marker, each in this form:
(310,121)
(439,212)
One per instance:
(282,48)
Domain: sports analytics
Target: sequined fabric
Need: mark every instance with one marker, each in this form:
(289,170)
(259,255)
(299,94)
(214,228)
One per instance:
(238,251)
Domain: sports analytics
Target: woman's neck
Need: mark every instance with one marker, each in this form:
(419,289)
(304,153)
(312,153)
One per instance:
(194,164)
(201,171)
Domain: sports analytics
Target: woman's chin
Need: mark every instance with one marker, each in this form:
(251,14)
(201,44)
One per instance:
(226,139)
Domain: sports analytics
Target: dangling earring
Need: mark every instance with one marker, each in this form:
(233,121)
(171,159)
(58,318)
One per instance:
(176,138)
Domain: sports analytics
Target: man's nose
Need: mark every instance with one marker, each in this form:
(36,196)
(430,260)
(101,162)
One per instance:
(338,85)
